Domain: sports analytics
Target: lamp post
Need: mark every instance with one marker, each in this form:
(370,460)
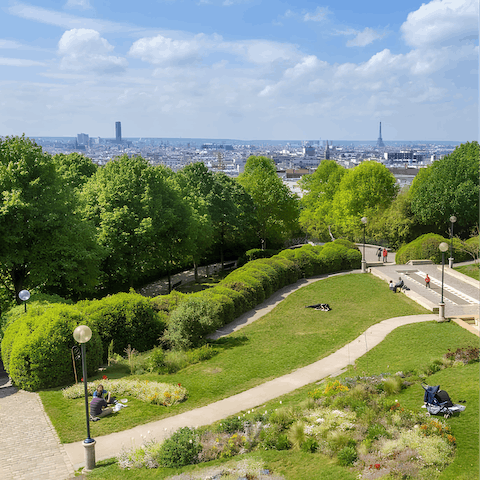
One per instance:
(364,261)
(443,247)
(24,295)
(453,219)
(82,334)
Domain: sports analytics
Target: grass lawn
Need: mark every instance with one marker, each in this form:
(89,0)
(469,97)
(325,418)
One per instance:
(289,337)
(411,348)
(470,270)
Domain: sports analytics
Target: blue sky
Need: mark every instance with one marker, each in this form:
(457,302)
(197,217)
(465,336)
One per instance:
(242,69)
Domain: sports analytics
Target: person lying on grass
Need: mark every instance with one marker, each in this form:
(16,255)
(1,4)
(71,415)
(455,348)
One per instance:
(98,405)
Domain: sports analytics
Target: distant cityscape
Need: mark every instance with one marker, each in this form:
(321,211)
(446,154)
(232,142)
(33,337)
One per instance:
(293,158)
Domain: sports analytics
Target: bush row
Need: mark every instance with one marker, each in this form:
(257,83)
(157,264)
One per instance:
(425,247)
(36,347)
(203,312)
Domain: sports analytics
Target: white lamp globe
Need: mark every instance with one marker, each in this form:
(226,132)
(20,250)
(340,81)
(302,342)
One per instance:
(443,247)
(82,334)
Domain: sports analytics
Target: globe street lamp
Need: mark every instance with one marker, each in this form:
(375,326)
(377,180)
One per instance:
(364,261)
(24,295)
(443,247)
(82,334)
(453,219)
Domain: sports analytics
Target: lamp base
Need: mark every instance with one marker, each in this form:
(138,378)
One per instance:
(364,266)
(441,313)
(89,445)
(450,262)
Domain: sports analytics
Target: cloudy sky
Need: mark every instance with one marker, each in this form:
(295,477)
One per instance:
(241,69)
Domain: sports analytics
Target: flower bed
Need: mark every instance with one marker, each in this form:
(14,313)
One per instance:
(151,392)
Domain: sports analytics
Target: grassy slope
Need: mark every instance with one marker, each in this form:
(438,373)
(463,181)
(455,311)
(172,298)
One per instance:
(470,270)
(409,348)
(289,337)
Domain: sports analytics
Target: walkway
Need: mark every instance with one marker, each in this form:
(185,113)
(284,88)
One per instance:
(29,444)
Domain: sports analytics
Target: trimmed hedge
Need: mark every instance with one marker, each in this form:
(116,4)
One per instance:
(250,285)
(127,319)
(425,247)
(36,348)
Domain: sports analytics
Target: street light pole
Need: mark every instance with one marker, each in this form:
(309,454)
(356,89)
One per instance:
(453,219)
(364,260)
(82,334)
(24,295)
(443,247)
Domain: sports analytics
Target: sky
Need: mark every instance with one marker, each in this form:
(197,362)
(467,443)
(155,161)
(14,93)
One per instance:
(241,69)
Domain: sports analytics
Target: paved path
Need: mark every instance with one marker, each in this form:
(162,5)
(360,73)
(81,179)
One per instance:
(29,446)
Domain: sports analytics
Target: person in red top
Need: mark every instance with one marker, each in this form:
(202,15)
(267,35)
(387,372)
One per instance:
(385,253)
(427,281)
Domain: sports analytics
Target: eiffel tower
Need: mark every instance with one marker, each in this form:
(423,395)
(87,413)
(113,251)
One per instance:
(380,143)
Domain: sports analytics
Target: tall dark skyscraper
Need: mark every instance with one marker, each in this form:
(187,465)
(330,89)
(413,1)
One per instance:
(118,132)
(380,141)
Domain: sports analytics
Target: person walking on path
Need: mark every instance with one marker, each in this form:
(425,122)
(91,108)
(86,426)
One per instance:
(385,253)
(427,281)
(379,253)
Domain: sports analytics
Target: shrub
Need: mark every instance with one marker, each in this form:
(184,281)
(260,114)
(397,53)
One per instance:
(155,360)
(125,318)
(425,247)
(181,449)
(392,385)
(309,446)
(347,456)
(36,349)
(231,425)
(190,322)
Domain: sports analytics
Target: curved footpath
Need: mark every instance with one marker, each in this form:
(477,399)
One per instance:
(30,446)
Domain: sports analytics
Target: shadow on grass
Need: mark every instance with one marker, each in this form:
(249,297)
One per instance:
(227,343)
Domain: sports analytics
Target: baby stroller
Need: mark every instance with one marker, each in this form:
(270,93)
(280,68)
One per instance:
(437,402)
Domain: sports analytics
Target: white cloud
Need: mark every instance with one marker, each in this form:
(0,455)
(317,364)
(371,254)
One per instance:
(65,20)
(162,50)
(83,49)
(441,22)
(318,16)
(9,44)
(367,36)
(20,62)
(82,4)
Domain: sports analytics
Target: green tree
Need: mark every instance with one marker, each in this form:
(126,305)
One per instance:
(366,190)
(42,242)
(316,215)
(139,217)
(276,207)
(196,183)
(75,169)
(231,211)
(448,187)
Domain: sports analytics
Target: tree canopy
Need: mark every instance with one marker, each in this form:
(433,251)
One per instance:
(139,216)
(448,187)
(42,241)
(276,207)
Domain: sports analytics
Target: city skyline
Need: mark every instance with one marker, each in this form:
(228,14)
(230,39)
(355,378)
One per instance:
(244,69)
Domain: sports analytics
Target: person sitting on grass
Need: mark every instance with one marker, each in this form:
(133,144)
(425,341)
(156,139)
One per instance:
(98,405)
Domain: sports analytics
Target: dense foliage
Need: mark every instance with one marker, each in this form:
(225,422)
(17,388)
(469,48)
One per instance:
(126,319)
(201,313)
(425,247)
(36,347)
